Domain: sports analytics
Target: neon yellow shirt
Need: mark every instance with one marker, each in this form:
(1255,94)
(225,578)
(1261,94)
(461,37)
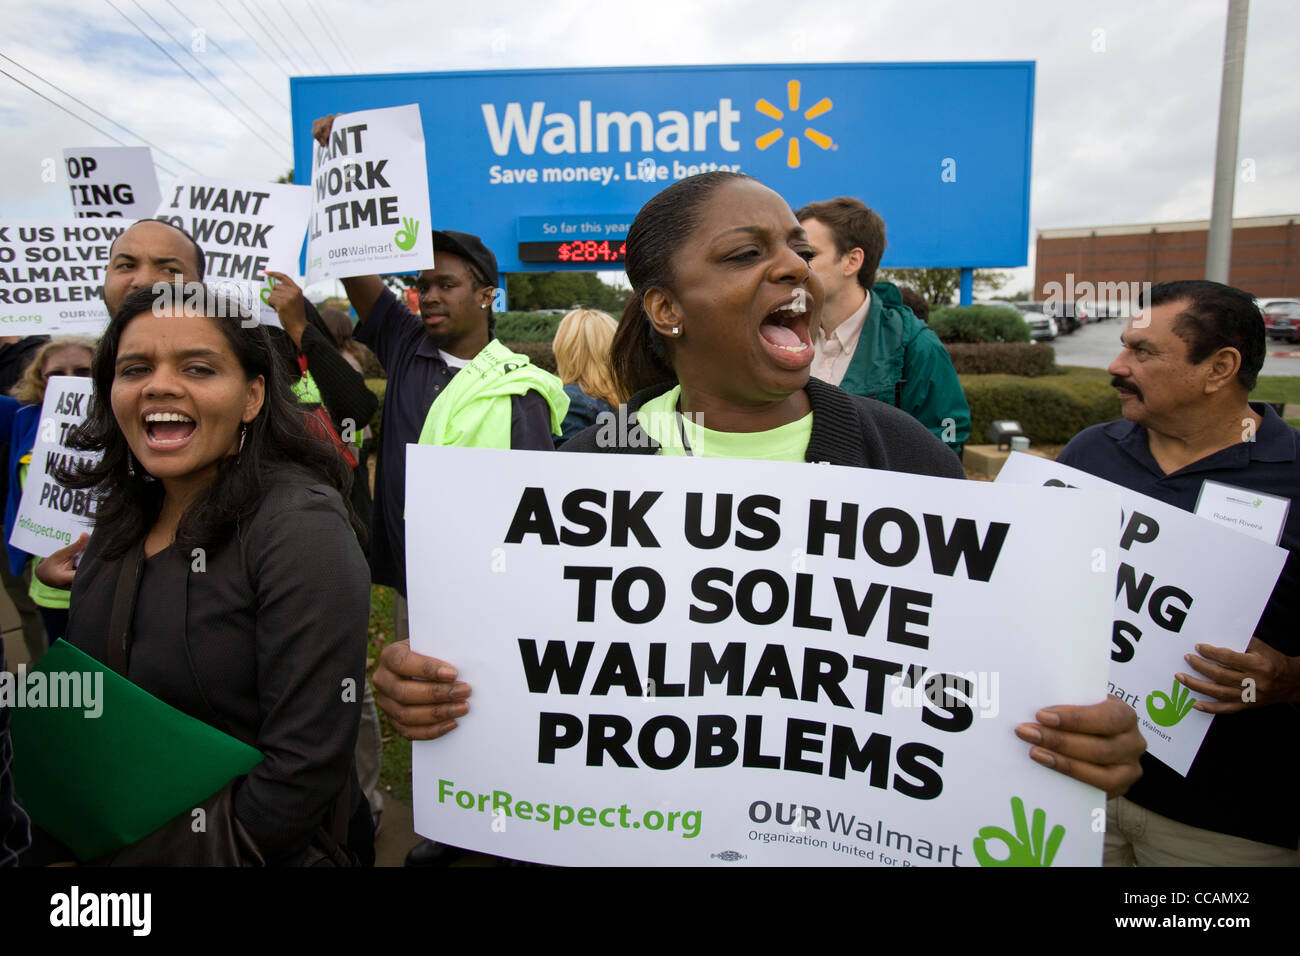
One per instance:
(661,422)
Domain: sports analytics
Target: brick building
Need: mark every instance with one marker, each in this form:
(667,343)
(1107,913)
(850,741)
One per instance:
(1265,256)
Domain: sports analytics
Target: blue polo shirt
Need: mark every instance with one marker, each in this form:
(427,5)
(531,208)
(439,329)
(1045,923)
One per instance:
(1246,778)
(417,374)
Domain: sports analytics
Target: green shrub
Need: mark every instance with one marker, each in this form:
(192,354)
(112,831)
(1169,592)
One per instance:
(539,353)
(1010,358)
(527,326)
(979,323)
(1051,409)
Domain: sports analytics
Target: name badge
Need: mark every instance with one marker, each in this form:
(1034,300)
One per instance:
(1250,512)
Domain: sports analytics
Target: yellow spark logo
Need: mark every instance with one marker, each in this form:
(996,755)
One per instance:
(792,149)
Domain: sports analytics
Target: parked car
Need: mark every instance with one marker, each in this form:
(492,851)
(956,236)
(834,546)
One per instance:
(1042,327)
(1281,318)
(1068,315)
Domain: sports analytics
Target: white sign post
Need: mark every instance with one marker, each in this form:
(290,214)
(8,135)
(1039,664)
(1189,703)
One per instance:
(51,275)
(1169,596)
(112,181)
(370,197)
(51,516)
(670,666)
(244,227)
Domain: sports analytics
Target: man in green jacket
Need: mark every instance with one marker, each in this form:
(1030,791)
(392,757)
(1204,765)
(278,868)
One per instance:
(870,342)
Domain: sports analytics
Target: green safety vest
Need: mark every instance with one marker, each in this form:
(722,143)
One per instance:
(474,410)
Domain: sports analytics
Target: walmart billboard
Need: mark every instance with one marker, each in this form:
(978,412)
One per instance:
(550,166)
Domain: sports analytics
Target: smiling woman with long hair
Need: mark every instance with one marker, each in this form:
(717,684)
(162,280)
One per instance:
(716,343)
(229,524)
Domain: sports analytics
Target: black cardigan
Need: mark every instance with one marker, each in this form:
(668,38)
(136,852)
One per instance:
(271,627)
(847,430)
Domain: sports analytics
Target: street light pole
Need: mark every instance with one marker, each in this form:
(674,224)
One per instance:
(1219,246)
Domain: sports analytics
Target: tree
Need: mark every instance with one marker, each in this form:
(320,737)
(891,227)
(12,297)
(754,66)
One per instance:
(940,286)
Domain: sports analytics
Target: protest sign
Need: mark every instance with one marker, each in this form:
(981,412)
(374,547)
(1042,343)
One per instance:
(370,197)
(51,516)
(1167,599)
(672,667)
(243,228)
(51,274)
(115,182)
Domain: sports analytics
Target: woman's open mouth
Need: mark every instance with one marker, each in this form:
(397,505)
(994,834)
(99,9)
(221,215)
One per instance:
(785,334)
(168,429)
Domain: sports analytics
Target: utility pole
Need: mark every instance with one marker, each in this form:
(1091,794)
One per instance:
(1219,247)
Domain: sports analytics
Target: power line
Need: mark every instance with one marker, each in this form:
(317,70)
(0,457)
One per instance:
(223,52)
(76,117)
(329,32)
(196,80)
(303,31)
(283,51)
(266,14)
(233,94)
(153,146)
(264,50)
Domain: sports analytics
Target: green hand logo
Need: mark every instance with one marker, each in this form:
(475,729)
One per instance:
(406,236)
(267,290)
(1026,848)
(1173,706)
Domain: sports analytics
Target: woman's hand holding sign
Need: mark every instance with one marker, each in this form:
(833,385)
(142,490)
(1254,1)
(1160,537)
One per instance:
(420,695)
(290,306)
(1098,744)
(58,570)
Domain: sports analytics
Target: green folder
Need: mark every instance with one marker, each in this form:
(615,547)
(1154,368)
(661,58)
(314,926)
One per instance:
(98,784)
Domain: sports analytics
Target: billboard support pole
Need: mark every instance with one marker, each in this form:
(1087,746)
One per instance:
(967,286)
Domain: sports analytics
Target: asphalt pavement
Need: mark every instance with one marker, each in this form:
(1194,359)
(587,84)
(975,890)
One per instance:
(1096,344)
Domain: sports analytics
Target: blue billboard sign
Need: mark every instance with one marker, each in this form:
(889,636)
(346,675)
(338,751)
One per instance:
(550,166)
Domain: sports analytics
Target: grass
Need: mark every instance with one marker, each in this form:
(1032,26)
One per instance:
(1277,388)
(395,771)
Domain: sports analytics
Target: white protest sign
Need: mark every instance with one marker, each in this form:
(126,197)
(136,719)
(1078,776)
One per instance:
(244,227)
(370,197)
(112,181)
(671,667)
(51,274)
(1169,595)
(51,516)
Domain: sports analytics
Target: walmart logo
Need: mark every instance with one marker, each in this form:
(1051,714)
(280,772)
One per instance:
(819,108)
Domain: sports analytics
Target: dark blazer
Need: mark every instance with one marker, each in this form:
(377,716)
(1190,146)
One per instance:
(847,430)
(262,636)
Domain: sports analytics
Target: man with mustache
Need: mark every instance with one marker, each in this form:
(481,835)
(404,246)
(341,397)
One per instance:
(1190,359)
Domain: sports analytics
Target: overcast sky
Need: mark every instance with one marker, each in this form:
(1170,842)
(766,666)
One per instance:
(1125,113)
